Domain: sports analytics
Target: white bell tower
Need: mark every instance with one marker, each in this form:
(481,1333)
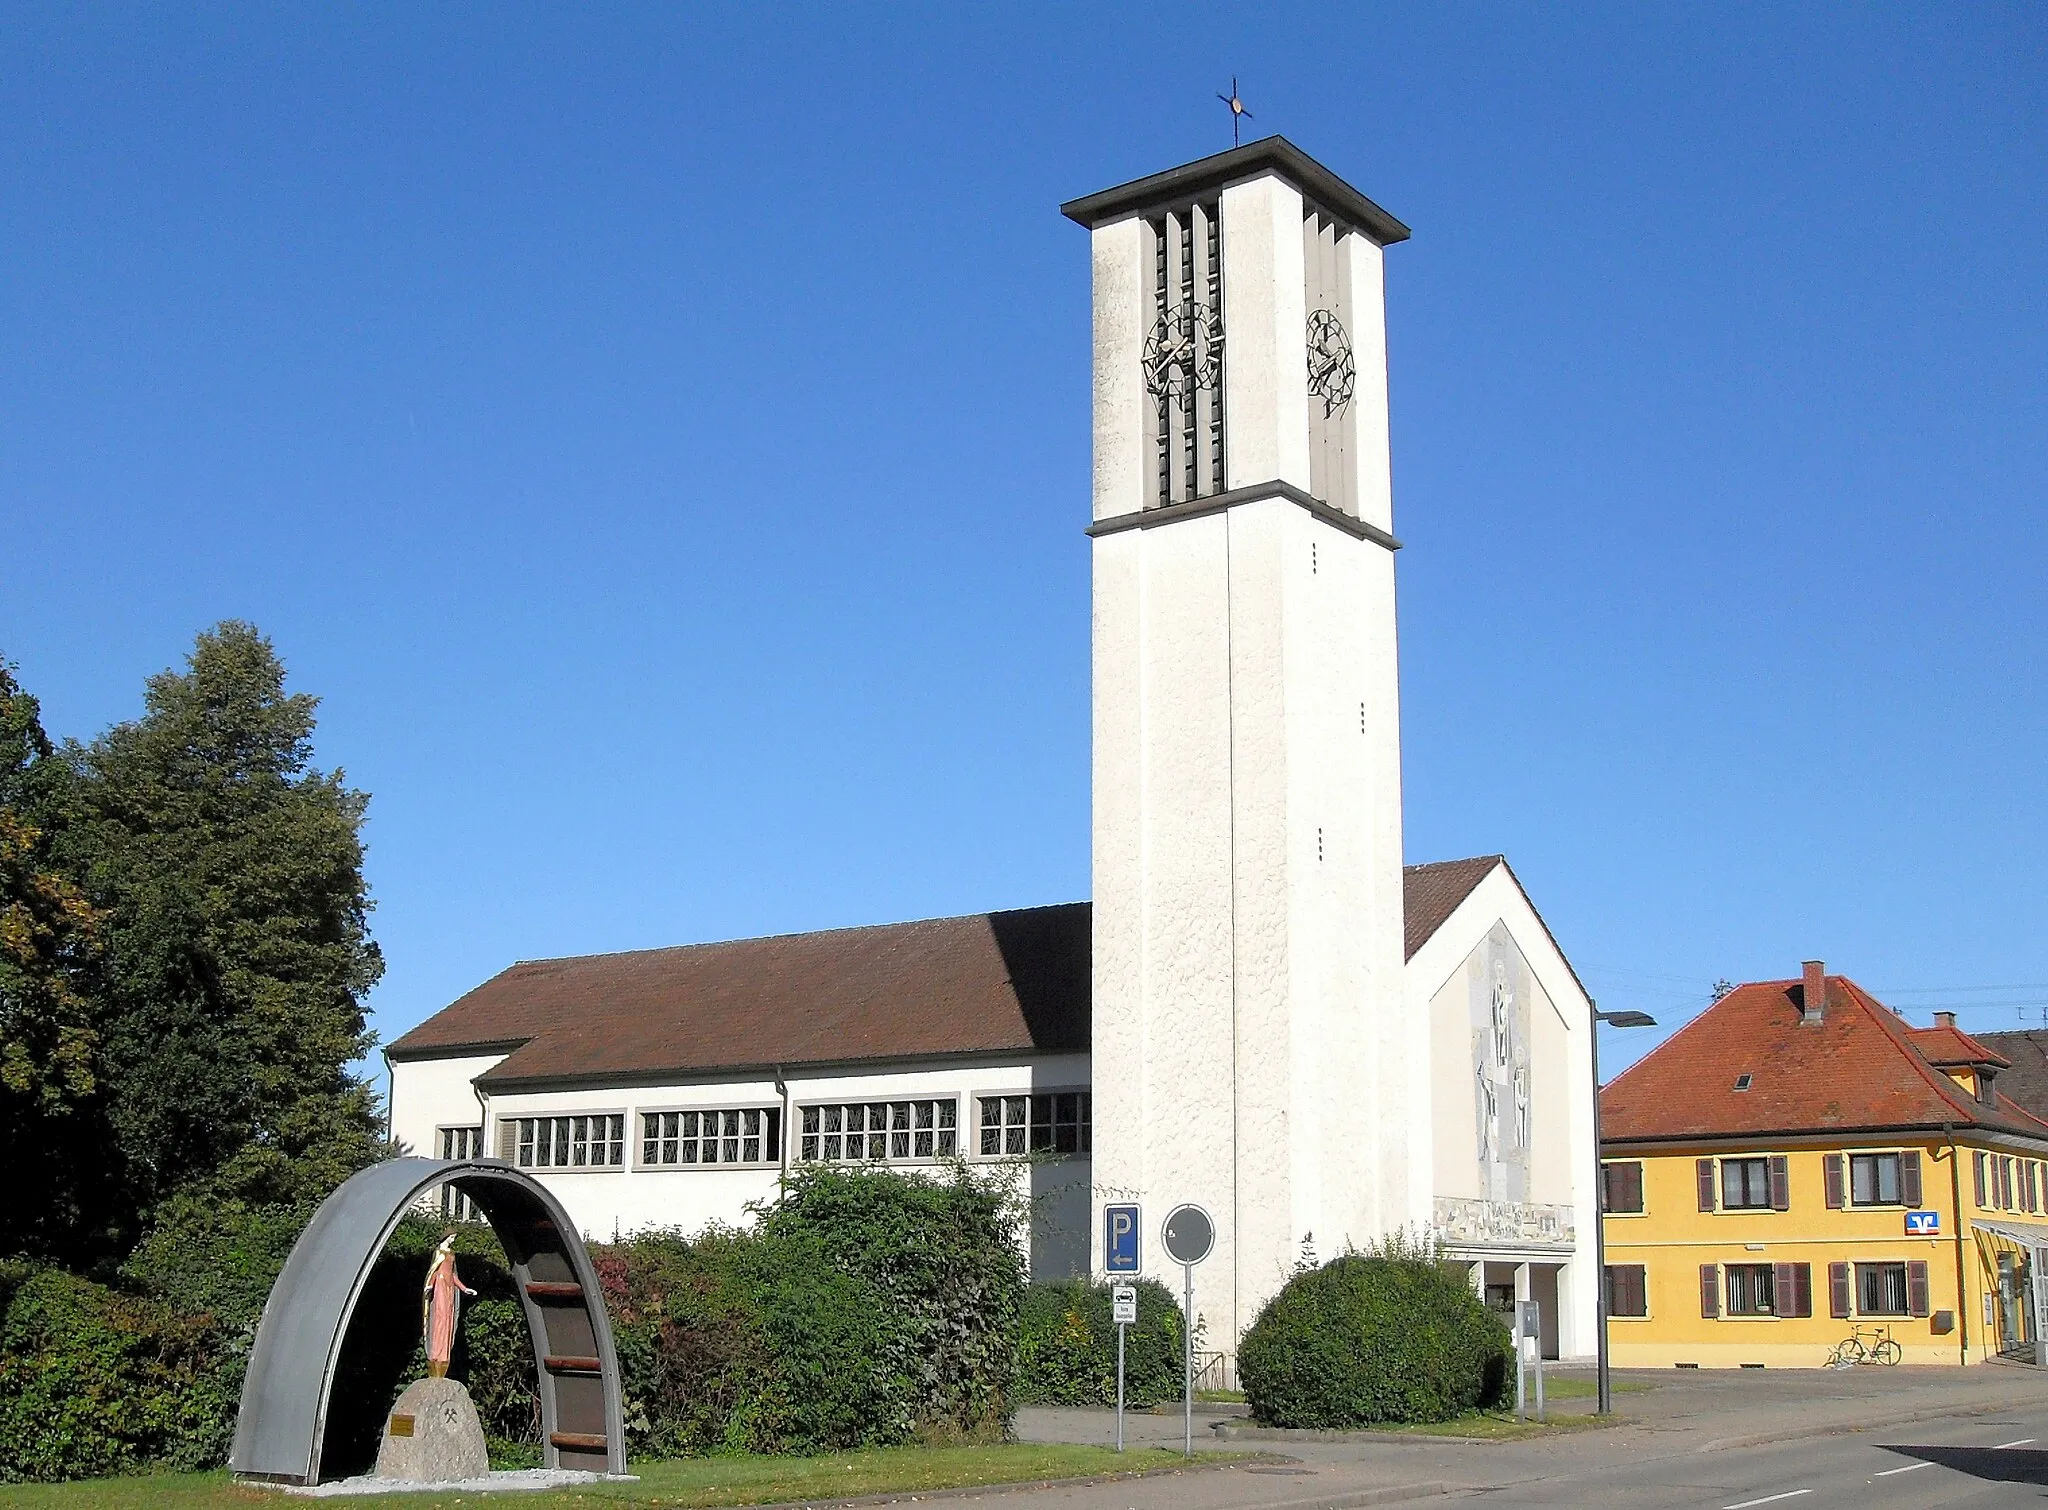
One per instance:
(1251,1052)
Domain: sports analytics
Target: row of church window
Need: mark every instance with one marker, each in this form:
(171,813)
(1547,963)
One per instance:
(907,1131)
(1889,1288)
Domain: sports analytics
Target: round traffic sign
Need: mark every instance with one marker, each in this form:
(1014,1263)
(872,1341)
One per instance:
(1188,1235)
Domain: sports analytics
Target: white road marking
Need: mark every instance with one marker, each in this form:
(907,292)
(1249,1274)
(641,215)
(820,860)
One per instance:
(1887,1473)
(2020,1443)
(1769,1499)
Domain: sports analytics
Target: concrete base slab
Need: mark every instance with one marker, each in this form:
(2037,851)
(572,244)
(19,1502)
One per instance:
(514,1480)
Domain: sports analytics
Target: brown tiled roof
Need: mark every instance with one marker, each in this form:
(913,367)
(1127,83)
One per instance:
(1945,1045)
(1856,1069)
(999,982)
(1432,893)
(2026,1051)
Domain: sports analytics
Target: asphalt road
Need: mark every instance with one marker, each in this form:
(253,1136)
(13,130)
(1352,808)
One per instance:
(1955,1462)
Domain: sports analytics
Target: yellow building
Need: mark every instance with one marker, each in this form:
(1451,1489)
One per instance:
(1798,1165)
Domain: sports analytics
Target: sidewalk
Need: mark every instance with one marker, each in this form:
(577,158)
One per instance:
(1677,1414)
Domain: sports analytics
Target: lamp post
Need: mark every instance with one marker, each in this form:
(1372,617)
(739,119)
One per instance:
(1613,1020)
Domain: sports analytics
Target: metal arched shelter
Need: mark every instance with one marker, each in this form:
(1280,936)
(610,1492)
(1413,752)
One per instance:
(283,1420)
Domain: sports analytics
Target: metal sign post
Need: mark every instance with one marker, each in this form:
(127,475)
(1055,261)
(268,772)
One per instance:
(1123,1306)
(1188,1236)
(1529,1328)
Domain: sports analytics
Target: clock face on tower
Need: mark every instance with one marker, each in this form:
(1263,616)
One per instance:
(1182,354)
(1331,372)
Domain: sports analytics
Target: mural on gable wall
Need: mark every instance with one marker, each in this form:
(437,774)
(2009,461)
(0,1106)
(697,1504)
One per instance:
(1499,994)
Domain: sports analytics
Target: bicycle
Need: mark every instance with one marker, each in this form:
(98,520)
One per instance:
(1854,1349)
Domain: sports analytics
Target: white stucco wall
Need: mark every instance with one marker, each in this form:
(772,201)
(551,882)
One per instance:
(1252,1051)
(615,1201)
(1450,983)
(430,1094)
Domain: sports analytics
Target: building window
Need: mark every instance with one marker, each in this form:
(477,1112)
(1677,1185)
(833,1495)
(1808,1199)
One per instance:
(1621,1189)
(881,1130)
(1881,1289)
(460,1143)
(1745,1184)
(746,1135)
(1627,1294)
(1751,1290)
(1050,1122)
(1873,1179)
(591,1142)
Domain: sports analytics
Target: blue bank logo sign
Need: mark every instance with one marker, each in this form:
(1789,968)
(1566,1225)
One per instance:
(1120,1229)
(1923,1224)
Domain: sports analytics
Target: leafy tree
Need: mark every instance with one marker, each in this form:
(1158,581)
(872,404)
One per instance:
(48,934)
(237,951)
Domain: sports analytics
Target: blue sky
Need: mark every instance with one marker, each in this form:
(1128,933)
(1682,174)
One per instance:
(660,438)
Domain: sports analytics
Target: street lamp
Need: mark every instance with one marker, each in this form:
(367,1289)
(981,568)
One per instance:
(1613,1020)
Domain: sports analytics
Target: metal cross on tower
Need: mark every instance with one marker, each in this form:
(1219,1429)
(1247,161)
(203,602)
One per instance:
(1238,113)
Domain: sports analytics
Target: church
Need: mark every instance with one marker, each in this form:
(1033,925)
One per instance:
(1260,1011)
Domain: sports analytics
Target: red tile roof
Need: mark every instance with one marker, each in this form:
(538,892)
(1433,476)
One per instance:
(1859,1068)
(999,982)
(1945,1045)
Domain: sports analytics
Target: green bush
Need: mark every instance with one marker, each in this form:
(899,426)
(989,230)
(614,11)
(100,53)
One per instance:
(947,1258)
(865,1308)
(1066,1346)
(95,1382)
(1368,1338)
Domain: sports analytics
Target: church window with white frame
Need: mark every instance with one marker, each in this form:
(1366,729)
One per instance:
(880,1131)
(596,1141)
(460,1143)
(1047,1122)
(729,1135)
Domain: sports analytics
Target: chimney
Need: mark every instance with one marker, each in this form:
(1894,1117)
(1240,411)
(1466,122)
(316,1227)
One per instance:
(1813,1004)
(1944,1019)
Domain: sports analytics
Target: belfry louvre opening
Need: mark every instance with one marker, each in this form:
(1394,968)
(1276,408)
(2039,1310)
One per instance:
(1184,353)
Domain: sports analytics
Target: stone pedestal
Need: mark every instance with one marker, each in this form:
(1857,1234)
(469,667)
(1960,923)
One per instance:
(433,1435)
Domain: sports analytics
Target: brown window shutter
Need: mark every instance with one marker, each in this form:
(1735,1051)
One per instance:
(1916,1286)
(1638,1289)
(1977,1176)
(1784,1290)
(1909,1177)
(1838,1289)
(1802,1289)
(1710,1290)
(508,1134)
(1781,1183)
(1632,1186)
(1706,1178)
(1831,1176)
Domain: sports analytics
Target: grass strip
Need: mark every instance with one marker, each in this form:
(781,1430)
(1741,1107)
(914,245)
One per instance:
(692,1484)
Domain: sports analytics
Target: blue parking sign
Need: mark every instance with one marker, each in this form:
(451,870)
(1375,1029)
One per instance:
(1120,1228)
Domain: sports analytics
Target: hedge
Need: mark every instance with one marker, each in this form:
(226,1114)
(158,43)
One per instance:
(1066,1346)
(864,1307)
(1370,1338)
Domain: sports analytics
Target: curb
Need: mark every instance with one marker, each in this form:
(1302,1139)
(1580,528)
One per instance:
(1004,1486)
(1844,1428)
(1404,1438)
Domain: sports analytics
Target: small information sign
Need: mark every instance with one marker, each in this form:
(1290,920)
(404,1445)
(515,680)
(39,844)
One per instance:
(1123,1305)
(1120,1230)
(1923,1224)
